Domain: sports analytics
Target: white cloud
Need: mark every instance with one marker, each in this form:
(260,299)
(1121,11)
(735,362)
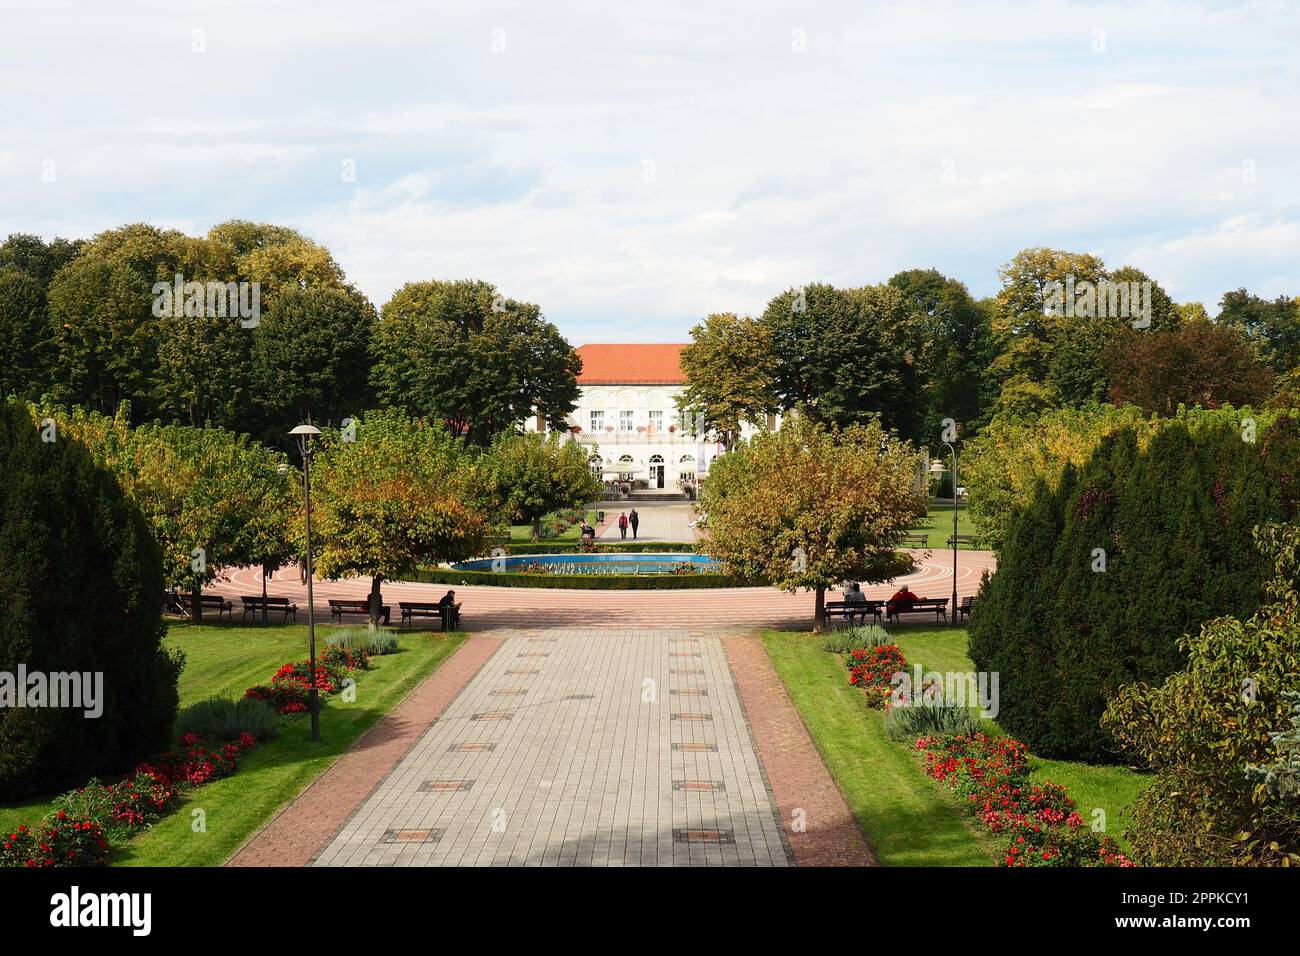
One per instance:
(908,134)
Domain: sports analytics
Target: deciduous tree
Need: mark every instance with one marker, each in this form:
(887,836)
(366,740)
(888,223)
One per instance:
(806,507)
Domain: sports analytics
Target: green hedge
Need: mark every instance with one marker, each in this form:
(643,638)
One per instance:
(1175,521)
(619,547)
(583,582)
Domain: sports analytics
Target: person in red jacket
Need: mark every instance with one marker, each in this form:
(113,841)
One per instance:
(902,600)
(622,526)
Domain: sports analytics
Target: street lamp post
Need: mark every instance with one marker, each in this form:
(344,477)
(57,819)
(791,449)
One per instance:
(304,434)
(938,469)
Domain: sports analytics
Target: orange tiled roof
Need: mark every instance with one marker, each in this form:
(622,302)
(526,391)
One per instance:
(626,364)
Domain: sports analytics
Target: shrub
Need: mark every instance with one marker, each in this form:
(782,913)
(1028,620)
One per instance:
(375,643)
(846,639)
(1172,522)
(220,718)
(872,669)
(80,589)
(341,658)
(1038,823)
(927,720)
(1205,728)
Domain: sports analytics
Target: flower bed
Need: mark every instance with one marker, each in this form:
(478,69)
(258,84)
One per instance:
(872,669)
(86,821)
(990,775)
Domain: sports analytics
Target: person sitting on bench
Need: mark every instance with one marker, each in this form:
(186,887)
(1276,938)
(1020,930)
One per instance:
(902,601)
(852,595)
(449,601)
(588,535)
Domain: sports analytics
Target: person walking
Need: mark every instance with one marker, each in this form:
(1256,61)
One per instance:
(634,520)
(622,526)
(302,568)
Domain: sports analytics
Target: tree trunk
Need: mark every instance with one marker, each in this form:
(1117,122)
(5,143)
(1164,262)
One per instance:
(196,602)
(376,603)
(265,571)
(819,614)
(537,529)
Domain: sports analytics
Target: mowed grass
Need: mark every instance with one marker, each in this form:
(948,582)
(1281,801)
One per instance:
(523,533)
(224,660)
(908,817)
(908,820)
(937,524)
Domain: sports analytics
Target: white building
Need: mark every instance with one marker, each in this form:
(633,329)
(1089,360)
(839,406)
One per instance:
(627,415)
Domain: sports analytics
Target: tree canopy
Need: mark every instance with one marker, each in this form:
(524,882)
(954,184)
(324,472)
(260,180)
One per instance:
(807,507)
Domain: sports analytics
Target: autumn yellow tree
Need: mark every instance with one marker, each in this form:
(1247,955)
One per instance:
(806,507)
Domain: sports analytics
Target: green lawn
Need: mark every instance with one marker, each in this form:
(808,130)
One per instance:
(523,533)
(908,817)
(226,659)
(938,524)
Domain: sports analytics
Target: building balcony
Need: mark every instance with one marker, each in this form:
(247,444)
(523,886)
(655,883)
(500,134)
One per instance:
(611,439)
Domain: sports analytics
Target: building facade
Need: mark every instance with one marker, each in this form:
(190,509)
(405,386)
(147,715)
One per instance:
(627,417)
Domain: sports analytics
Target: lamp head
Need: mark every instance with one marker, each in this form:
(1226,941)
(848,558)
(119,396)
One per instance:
(305,434)
(937,468)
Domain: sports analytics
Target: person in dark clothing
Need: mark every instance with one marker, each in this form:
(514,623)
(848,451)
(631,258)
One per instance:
(634,520)
(449,600)
(622,526)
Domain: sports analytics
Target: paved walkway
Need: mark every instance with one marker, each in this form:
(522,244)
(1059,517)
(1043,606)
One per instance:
(579,747)
(741,609)
(659,521)
(666,747)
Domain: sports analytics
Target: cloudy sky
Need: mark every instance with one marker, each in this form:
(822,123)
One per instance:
(632,167)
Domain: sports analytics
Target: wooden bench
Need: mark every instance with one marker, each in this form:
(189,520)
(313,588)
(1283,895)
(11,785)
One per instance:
(413,609)
(339,607)
(965,608)
(208,602)
(172,603)
(960,539)
(937,606)
(916,540)
(847,610)
(253,604)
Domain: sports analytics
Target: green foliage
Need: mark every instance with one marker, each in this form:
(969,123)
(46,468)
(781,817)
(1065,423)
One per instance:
(462,354)
(846,356)
(376,643)
(729,369)
(1003,467)
(80,585)
(845,639)
(1212,727)
(906,724)
(538,474)
(1169,516)
(401,495)
(806,507)
(1272,326)
(199,488)
(220,718)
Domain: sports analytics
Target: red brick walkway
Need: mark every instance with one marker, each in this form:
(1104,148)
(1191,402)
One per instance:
(300,829)
(739,608)
(818,824)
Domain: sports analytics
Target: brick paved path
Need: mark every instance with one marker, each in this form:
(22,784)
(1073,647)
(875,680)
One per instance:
(659,521)
(741,609)
(586,747)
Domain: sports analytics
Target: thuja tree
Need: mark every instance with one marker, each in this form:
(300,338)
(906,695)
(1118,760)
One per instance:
(1216,734)
(396,494)
(540,474)
(80,587)
(805,507)
(1103,572)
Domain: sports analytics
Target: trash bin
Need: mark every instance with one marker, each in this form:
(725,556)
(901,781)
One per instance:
(600,516)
